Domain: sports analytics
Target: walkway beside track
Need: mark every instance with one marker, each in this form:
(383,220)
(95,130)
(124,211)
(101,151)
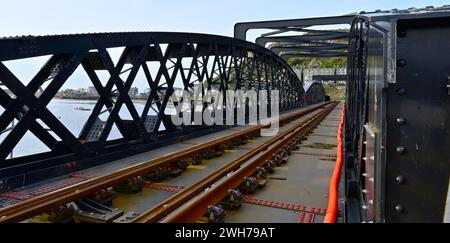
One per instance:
(302,182)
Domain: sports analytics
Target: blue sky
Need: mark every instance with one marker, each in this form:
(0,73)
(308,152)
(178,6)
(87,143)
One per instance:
(40,17)
(21,17)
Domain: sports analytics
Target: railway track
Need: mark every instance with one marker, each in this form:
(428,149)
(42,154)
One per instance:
(192,201)
(195,208)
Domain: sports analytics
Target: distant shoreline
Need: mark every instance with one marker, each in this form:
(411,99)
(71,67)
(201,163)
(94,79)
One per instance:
(140,100)
(92,98)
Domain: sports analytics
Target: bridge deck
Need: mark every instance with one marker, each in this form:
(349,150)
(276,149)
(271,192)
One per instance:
(302,182)
(202,170)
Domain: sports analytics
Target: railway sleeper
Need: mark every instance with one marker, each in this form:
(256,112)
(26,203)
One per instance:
(196,159)
(269,165)
(229,146)
(241,141)
(249,185)
(283,154)
(158,174)
(289,149)
(261,173)
(252,136)
(277,159)
(89,211)
(233,200)
(128,217)
(188,160)
(133,185)
(104,196)
(208,154)
(215,214)
(177,168)
(60,214)
(220,150)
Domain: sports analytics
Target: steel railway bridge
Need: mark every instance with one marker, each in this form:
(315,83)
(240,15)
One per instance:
(395,139)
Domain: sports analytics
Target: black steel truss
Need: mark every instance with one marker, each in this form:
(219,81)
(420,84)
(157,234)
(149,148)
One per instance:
(214,62)
(308,43)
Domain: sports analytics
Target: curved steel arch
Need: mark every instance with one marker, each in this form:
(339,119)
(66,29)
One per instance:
(223,62)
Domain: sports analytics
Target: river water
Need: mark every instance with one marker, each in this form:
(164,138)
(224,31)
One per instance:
(68,112)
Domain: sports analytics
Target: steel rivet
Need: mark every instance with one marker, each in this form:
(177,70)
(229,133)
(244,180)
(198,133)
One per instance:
(401,91)
(401,33)
(401,63)
(401,120)
(400,150)
(399,208)
(400,179)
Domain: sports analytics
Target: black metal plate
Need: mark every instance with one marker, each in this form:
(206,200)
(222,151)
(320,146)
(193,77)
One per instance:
(421,97)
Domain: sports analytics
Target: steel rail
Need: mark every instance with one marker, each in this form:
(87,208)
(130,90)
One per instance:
(39,204)
(176,201)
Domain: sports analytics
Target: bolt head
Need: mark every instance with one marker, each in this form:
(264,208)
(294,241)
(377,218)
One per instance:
(401,62)
(399,208)
(401,120)
(401,91)
(400,179)
(401,33)
(400,149)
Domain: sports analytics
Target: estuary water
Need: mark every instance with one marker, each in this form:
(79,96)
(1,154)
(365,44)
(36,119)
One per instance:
(73,114)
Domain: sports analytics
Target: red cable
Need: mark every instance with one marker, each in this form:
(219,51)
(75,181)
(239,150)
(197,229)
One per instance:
(332,209)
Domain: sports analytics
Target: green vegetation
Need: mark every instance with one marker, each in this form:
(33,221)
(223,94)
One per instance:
(336,92)
(322,62)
